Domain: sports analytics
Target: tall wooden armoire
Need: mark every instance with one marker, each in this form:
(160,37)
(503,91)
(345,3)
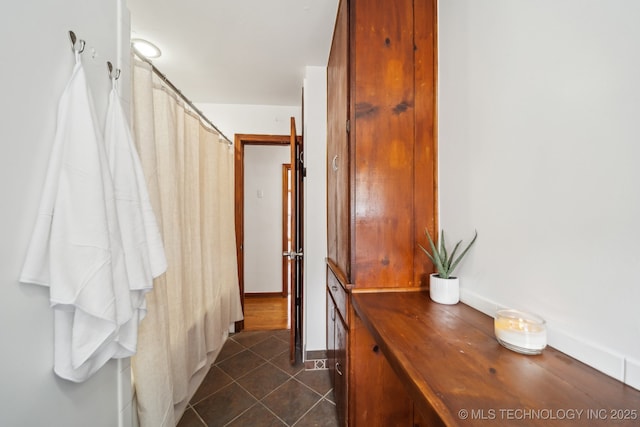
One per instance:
(381,185)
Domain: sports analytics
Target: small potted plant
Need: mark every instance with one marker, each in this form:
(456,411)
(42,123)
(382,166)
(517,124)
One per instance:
(443,287)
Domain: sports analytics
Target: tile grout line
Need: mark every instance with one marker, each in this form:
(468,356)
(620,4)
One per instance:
(263,361)
(215,364)
(308,410)
(309,387)
(321,396)
(273,413)
(190,406)
(327,398)
(291,377)
(259,401)
(233,381)
(200,418)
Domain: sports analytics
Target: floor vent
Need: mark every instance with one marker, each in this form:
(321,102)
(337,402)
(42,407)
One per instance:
(315,364)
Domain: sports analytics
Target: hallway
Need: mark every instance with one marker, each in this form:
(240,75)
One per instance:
(265,313)
(252,384)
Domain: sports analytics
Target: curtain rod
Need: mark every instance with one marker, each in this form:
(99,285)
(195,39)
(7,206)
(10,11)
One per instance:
(179,92)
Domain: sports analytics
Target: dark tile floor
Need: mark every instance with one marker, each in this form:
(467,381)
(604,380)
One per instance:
(253,384)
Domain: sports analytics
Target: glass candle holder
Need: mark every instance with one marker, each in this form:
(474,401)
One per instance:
(521,332)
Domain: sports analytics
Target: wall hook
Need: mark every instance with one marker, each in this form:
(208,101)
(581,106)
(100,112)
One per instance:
(114,75)
(75,40)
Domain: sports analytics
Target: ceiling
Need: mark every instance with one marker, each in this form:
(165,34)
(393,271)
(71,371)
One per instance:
(237,51)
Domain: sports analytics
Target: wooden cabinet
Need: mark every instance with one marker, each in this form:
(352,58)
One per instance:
(380,140)
(456,374)
(341,365)
(381,80)
(331,337)
(378,398)
(338,248)
(337,333)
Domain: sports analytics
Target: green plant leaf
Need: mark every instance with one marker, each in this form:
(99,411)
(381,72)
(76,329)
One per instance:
(428,254)
(443,249)
(443,261)
(435,255)
(457,261)
(451,257)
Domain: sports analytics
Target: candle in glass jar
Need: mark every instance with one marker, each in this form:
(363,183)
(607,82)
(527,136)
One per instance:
(519,331)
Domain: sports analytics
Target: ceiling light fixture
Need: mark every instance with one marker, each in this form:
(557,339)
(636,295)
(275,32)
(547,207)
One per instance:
(146,48)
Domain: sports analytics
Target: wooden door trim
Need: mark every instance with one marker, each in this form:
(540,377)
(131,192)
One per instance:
(240,141)
(286,169)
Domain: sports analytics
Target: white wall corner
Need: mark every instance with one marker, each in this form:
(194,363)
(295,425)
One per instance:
(478,302)
(125,393)
(315,210)
(604,360)
(632,373)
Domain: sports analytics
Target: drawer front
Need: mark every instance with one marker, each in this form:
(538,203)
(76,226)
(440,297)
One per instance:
(340,369)
(339,295)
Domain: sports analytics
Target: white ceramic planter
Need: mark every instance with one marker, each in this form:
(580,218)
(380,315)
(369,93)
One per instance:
(444,291)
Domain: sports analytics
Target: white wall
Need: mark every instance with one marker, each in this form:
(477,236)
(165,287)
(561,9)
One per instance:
(539,105)
(38,63)
(263,217)
(315,209)
(252,119)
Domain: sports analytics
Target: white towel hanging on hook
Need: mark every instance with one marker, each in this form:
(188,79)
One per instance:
(76,247)
(143,249)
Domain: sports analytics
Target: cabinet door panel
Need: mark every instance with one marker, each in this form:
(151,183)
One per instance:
(383,173)
(331,337)
(380,399)
(340,387)
(339,295)
(337,143)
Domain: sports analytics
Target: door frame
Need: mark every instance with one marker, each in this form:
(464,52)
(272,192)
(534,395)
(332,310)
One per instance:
(240,141)
(286,213)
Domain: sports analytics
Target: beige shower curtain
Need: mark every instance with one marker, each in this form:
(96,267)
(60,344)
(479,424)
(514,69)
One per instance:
(189,173)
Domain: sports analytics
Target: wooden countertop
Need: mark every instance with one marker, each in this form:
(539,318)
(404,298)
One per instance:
(449,360)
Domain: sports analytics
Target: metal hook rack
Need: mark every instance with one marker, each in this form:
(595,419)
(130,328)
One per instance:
(74,40)
(113,74)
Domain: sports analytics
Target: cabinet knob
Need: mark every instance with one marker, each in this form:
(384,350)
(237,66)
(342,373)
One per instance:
(334,288)
(339,368)
(375,348)
(334,163)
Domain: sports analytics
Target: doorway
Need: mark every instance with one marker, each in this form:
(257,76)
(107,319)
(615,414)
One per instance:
(263,302)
